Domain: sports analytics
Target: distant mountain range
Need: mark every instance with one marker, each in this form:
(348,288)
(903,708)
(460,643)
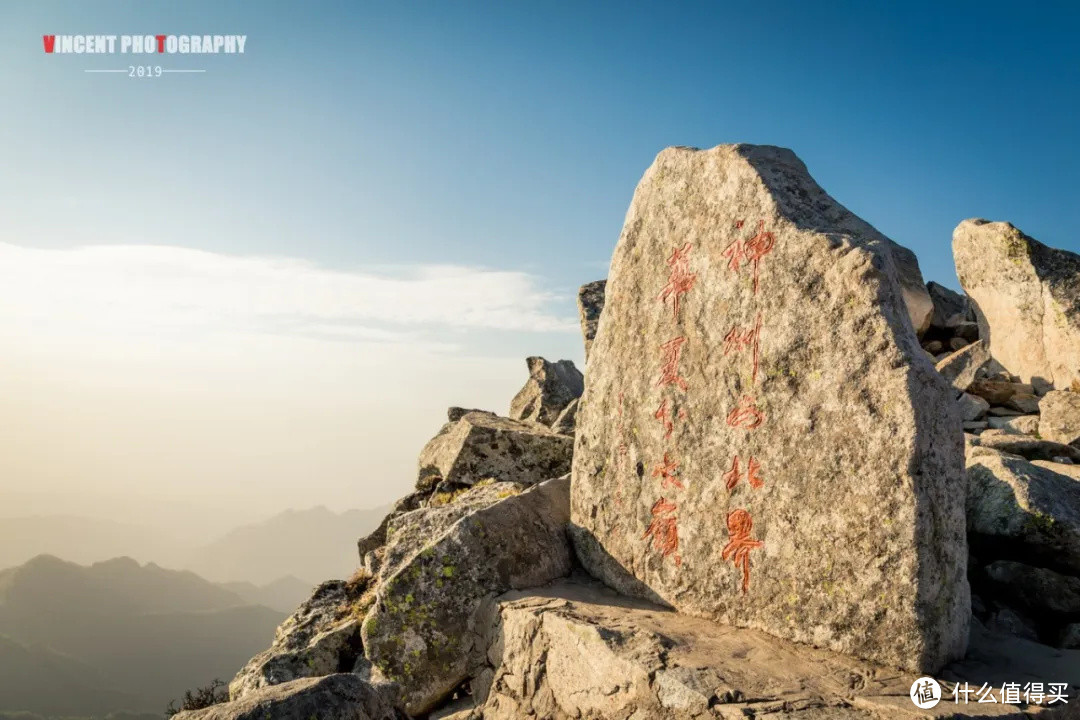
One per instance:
(119,636)
(297,547)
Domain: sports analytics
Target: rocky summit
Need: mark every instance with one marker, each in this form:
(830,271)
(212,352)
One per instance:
(761,440)
(792,479)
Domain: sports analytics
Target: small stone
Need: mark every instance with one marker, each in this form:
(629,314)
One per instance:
(1061,460)
(1027,404)
(975,426)
(998,392)
(1011,623)
(1028,447)
(1020,425)
(958,343)
(1003,412)
(967,330)
(1060,417)
(933,347)
(972,407)
(960,367)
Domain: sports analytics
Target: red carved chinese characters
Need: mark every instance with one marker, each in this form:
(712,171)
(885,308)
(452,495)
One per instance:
(739,525)
(746,414)
(739,338)
(663,414)
(669,372)
(680,280)
(664,529)
(734,474)
(750,251)
(666,472)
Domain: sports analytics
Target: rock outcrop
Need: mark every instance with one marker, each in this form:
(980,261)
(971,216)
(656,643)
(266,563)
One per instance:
(442,564)
(481,445)
(761,440)
(578,650)
(332,697)
(590,305)
(550,389)
(321,638)
(1027,299)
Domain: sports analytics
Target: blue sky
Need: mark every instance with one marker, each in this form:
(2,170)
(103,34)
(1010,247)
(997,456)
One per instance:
(503,139)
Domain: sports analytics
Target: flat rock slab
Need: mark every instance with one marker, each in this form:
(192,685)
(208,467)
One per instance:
(1027,298)
(578,650)
(761,440)
(481,445)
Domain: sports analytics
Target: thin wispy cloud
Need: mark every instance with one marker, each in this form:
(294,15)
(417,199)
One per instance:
(137,290)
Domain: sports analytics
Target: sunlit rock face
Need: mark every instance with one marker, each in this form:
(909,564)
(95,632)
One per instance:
(761,440)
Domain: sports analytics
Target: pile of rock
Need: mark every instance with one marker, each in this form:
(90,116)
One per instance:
(762,499)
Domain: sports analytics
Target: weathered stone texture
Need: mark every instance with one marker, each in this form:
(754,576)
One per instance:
(319,638)
(442,564)
(590,305)
(1059,418)
(481,445)
(761,440)
(333,697)
(1027,298)
(575,650)
(549,389)
(961,367)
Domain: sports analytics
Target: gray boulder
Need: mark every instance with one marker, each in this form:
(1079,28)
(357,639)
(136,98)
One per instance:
(1060,417)
(1027,299)
(550,389)
(590,305)
(1029,505)
(482,445)
(1022,425)
(972,407)
(760,425)
(333,697)
(960,368)
(443,564)
(999,392)
(567,420)
(321,638)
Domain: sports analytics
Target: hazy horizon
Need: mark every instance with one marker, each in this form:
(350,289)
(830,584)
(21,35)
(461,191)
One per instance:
(232,293)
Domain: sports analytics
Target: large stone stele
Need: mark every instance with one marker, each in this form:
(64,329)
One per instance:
(820,500)
(1027,299)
